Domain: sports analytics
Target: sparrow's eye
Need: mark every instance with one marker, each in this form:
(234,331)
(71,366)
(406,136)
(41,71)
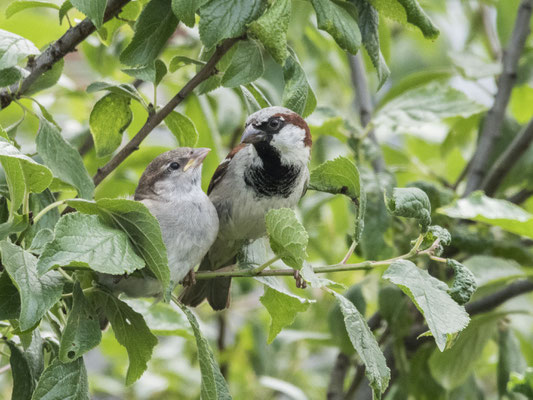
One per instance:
(274,124)
(174,165)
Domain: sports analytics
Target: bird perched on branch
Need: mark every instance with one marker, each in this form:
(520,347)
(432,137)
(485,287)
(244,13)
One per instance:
(267,170)
(171,189)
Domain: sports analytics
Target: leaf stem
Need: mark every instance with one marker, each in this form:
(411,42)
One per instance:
(46,209)
(65,275)
(259,269)
(349,253)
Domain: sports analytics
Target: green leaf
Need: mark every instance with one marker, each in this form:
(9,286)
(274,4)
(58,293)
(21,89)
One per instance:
(93,9)
(142,228)
(23,382)
(246,65)
(65,7)
(9,298)
(339,19)
(85,241)
(14,48)
(288,238)
(37,293)
(432,102)
(123,89)
(365,344)
(368,20)
(20,5)
(282,309)
(490,270)
(40,240)
(436,232)
(153,28)
(48,79)
(495,212)
(149,73)
(411,203)
(82,332)
(185,10)
(163,319)
(130,330)
(9,76)
(223,19)
(254,96)
(182,128)
(443,315)
(63,159)
(110,117)
(464,283)
(179,61)
(63,381)
(214,386)
(297,93)
(510,358)
(271,29)
(522,383)
(342,176)
(452,367)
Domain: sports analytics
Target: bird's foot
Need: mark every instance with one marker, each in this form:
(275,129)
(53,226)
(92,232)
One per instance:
(190,279)
(300,282)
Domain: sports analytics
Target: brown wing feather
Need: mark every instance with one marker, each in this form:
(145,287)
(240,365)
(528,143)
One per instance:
(223,167)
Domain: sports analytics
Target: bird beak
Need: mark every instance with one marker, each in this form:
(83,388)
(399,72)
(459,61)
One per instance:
(197,158)
(252,135)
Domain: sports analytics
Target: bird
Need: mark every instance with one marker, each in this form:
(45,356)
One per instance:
(170,187)
(267,170)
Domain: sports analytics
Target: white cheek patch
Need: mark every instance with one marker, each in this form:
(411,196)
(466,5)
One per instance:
(290,143)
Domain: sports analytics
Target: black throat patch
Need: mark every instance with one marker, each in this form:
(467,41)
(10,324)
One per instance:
(272,178)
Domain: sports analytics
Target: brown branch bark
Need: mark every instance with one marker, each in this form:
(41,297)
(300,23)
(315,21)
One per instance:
(508,159)
(493,121)
(56,51)
(159,116)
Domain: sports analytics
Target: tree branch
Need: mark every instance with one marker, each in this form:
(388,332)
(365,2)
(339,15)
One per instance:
(337,376)
(56,51)
(158,117)
(521,196)
(492,122)
(364,103)
(507,159)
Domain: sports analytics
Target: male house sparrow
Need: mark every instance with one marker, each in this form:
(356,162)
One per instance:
(170,188)
(267,170)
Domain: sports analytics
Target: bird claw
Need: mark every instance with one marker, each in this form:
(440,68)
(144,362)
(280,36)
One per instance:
(300,282)
(190,279)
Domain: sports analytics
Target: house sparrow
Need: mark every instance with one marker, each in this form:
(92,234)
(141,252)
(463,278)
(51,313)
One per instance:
(170,188)
(267,170)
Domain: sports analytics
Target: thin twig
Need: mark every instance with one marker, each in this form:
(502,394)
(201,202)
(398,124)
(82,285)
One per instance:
(56,51)
(492,123)
(508,159)
(521,196)
(159,116)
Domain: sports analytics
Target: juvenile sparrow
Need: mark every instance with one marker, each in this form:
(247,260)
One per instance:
(267,170)
(170,188)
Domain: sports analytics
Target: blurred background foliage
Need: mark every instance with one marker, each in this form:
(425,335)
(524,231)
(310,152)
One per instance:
(420,148)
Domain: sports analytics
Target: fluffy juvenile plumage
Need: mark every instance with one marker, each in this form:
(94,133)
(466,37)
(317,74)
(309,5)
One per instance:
(171,189)
(267,170)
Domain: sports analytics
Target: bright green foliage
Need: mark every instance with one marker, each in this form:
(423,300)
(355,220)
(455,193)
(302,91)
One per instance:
(9,76)
(85,241)
(82,331)
(411,203)
(282,309)
(522,383)
(510,358)
(63,381)
(339,19)
(436,232)
(152,30)
(246,65)
(21,5)
(93,9)
(222,19)
(288,238)
(163,319)
(443,315)
(110,117)
(365,345)
(496,212)
(63,159)
(14,48)
(141,227)
(464,283)
(297,94)
(37,293)
(453,367)
(150,73)
(123,89)
(185,10)
(130,330)
(493,270)
(214,386)
(271,29)
(180,61)
(182,128)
